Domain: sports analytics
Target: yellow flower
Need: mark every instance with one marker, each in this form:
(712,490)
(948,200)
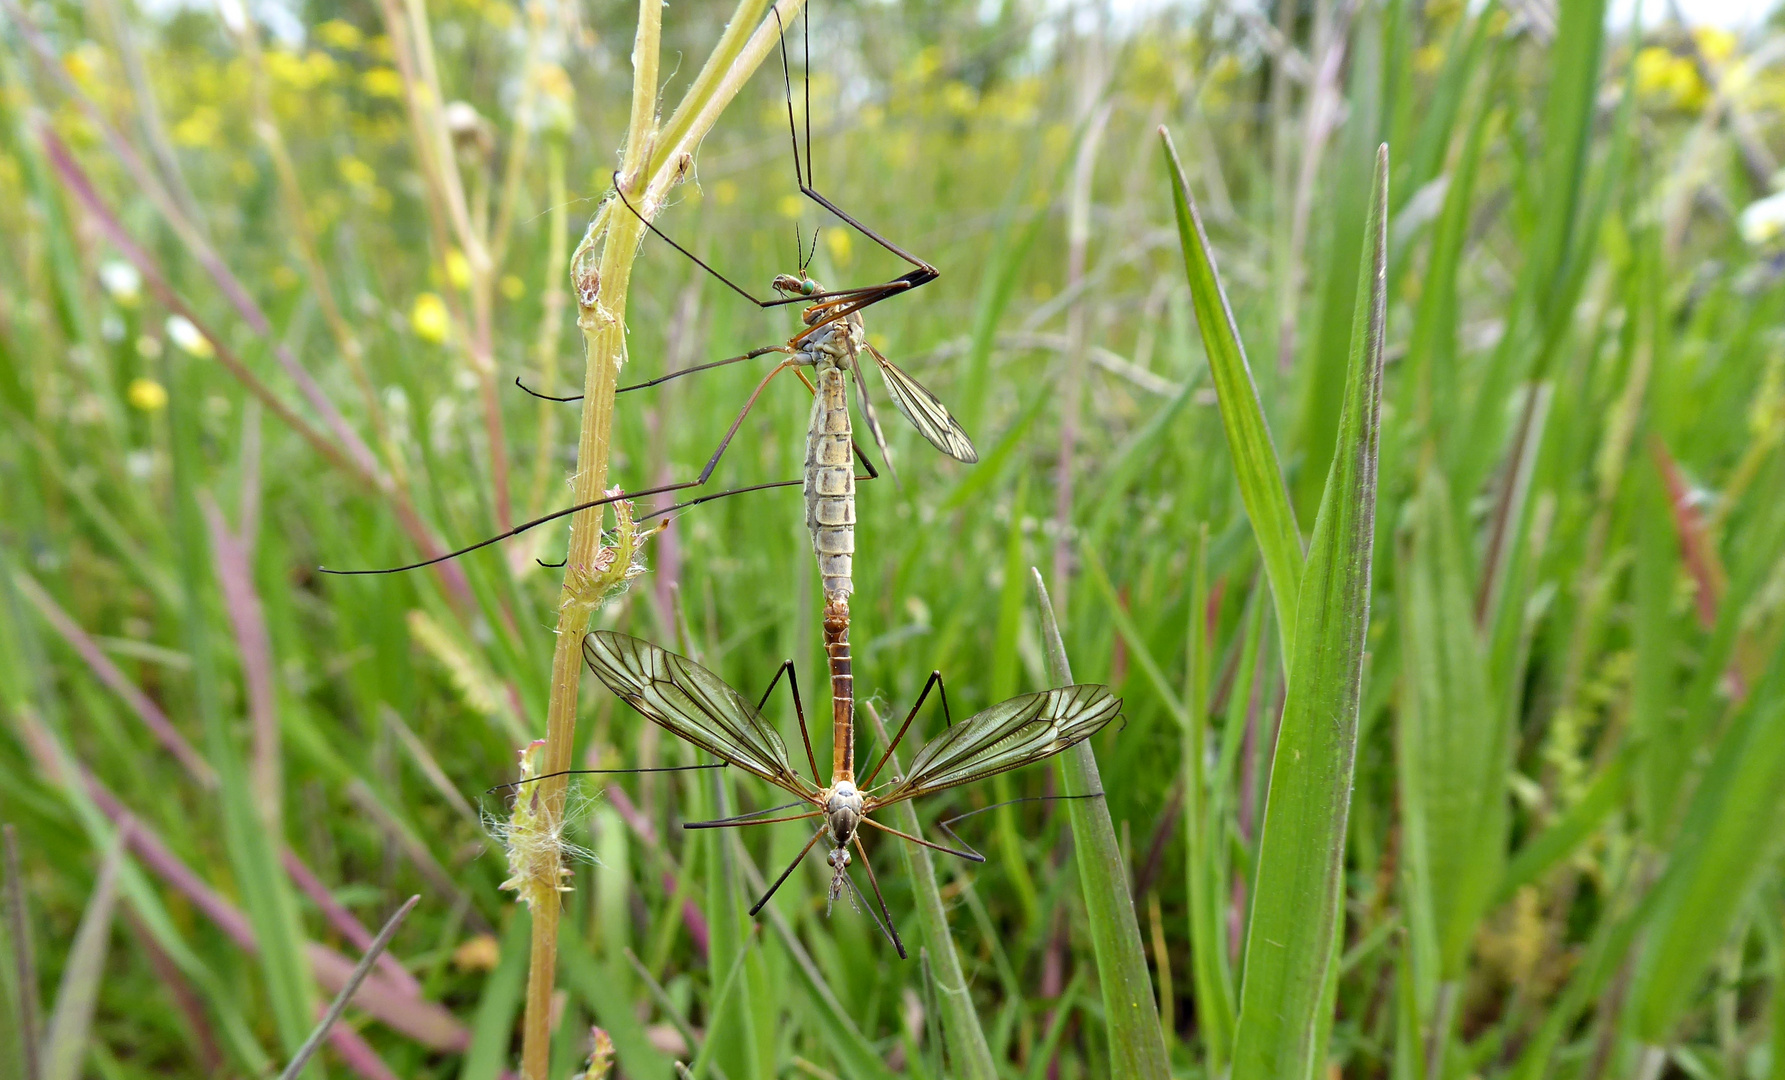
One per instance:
(959,98)
(726,192)
(200,128)
(428,318)
(1715,44)
(1428,58)
(1669,80)
(382,82)
(512,287)
(356,172)
(790,206)
(147,395)
(839,243)
(458,269)
(188,337)
(341,34)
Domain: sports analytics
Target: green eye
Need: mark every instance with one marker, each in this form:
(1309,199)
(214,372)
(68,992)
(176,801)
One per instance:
(808,286)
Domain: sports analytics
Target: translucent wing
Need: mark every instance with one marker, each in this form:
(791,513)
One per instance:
(1004,737)
(926,412)
(691,702)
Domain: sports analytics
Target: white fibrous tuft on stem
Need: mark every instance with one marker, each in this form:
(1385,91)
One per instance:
(534,841)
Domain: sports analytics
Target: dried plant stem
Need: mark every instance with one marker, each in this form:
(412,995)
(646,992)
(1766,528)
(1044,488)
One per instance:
(648,170)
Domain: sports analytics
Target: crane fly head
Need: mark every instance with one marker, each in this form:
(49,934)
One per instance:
(842,813)
(796,285)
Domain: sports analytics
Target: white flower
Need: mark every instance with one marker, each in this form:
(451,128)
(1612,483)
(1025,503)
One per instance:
(122,280)
(1763,221)
(188,337)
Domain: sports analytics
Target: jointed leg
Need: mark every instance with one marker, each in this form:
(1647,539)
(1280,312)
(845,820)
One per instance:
(784,874)
(892,931)
(935,680)
(699,481)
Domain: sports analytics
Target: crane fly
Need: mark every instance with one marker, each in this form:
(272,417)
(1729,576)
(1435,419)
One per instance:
(700,708)
(830,341)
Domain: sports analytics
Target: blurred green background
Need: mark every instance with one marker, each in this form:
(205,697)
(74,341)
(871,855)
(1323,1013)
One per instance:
(240,337)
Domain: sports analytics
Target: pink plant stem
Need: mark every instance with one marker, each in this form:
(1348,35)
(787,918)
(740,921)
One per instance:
(424,1021)
(200,770)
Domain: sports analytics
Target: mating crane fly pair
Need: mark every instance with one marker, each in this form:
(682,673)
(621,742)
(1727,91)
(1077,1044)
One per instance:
(700,708)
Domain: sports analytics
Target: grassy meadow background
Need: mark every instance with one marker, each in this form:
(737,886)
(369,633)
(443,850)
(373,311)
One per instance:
(241,337)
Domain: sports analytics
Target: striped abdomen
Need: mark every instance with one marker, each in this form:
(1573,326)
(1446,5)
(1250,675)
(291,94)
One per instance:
(830,482)
(836,650)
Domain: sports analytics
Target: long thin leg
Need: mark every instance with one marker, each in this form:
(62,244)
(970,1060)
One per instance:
(970,855)
(797,859)
(608,772)
(944,824)
(860,903)
(935,679)
(749,819)
(805,180)
(661,379)
(891,930)
(793,685)
(699,481)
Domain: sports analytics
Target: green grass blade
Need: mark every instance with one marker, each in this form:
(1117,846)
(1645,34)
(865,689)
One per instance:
(1452,748)
(1298,888)
(1724,851)
(968,1052)
(492,1028)
(71,1020)
(1255,461)
(253,852)
(1136,1044)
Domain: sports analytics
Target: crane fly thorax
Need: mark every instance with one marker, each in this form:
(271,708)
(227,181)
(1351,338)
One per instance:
(842,812)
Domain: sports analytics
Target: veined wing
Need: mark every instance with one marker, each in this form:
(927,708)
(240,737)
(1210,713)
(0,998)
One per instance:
(926,412)
(692,703)
(1004,737)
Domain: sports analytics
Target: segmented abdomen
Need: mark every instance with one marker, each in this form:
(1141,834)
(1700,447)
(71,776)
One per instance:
(830,483)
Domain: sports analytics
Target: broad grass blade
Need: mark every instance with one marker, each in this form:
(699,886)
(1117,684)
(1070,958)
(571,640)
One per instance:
(1724,851)
(1451,747)
(1299,886)
(968,1052)
(1255,463)
(1136,1044)
(492,1027)
(71,1021)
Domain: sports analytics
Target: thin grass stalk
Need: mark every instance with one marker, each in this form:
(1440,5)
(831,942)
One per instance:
(601,287)
(71,1020)
(297,228)
(339,1005)
(24,967)
(968,1050)
(1136,1043)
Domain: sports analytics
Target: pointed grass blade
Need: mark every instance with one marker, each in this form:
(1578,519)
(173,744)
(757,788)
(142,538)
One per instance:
(968,1050)
(1292,937)
(1723,853)
(71,1021)
(1255,463)
(339,1005)
(1136,1043)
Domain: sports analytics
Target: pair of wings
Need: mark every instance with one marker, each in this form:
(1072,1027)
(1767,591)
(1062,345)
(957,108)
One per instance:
(697,706)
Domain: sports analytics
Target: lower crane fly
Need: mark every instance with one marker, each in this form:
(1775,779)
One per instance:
(700,708)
